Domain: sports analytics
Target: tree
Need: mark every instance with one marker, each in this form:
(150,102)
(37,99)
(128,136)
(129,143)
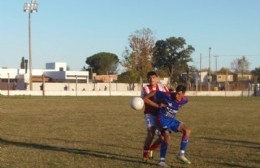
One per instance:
(103,63)
(84,68)
(191,76)
(128,77)
(256,73)
(240,65)
(22,64)
(137,59)
(224,71)
(172,56)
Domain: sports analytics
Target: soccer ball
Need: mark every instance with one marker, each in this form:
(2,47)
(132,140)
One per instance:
(137,103)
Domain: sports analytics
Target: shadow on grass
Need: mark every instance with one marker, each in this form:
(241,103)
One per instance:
(236,143)
(98,154)
(235,165)
(240,143)
(76,141)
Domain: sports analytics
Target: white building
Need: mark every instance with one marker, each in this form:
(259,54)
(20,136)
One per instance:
(54,72)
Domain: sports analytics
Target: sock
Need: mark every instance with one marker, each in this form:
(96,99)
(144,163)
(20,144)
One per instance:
(145,152)
(163,150)
(184,144)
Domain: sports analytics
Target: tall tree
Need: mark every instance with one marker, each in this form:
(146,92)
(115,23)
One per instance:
(137,59)
(173,56)
(224,70)
(240,65)
(130,78)
(103,63)
(256,73)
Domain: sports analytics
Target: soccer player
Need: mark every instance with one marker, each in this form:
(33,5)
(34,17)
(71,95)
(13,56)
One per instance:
(167,105)
(150,114)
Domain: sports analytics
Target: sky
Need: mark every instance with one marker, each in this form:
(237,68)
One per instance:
(70,31)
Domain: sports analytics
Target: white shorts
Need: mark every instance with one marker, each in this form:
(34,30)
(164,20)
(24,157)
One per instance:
(150,121)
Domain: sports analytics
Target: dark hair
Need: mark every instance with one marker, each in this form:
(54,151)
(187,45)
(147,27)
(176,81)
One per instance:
(181,88)
(151,73)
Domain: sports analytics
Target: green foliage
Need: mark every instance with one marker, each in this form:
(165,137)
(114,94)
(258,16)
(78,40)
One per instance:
(240,65)
(137,59)
(128,77)
(256,73)
(103,63)
(171,55)
(224,70)
(162,73)
(84,69)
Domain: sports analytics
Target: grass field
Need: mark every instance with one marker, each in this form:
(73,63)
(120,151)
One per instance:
(85,132)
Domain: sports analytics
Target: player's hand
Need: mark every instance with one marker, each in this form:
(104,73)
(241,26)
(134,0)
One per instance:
(161,105)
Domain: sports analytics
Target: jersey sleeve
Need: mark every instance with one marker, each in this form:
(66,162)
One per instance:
(184,101)
(166,88)
(158,95)
(144,91)
(161,97)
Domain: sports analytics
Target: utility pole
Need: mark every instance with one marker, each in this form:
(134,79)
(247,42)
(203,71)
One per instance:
(216,59)
(200,73)
(209,73)
(209,59)
(30,8)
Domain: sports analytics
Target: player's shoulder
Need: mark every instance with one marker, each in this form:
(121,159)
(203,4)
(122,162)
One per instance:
(185,100)
(160,84)
(146,89)
(162,87)
(162,94)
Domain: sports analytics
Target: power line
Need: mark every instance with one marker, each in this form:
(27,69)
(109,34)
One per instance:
(235,55)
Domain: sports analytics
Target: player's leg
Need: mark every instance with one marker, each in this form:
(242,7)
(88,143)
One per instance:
(150,122)
(156,144)
(184,143)
(185,137)
(164,147)
(147,143)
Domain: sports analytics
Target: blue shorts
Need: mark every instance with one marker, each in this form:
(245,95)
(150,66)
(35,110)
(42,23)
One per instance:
(170,124)
(150,121)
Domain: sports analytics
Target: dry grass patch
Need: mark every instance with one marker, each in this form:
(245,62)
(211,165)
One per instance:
(105,132)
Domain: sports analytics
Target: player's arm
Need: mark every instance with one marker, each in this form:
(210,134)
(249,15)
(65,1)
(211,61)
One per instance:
(147,100)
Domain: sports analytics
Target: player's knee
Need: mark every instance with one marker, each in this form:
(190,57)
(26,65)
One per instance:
(150,134)
(166,136)
(187,131)
(166,141)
